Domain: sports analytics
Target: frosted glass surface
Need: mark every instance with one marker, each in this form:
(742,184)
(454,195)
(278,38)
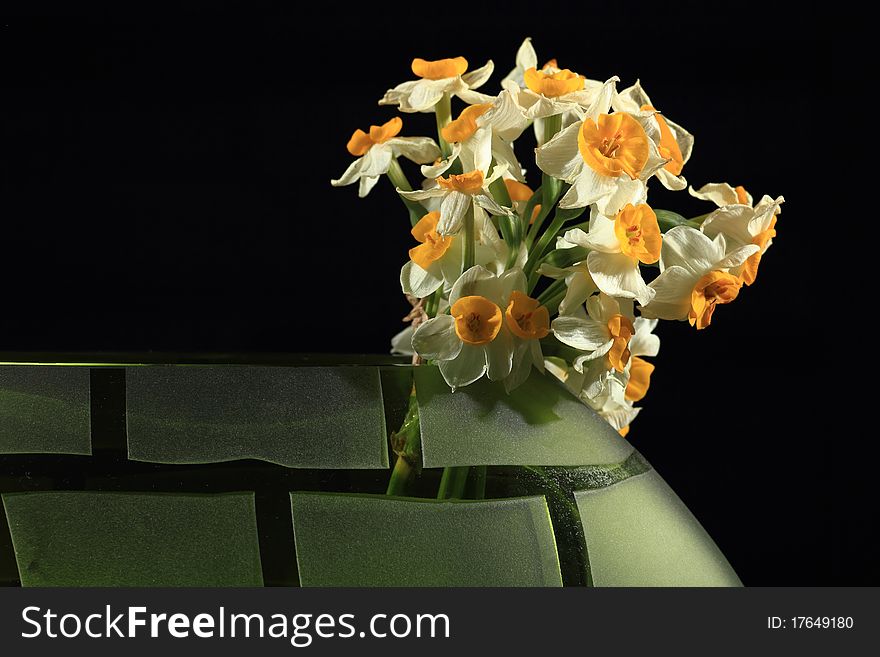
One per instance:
(363,540)
(300,417)
(539,423)
(77,538)
(44,410)
(639,533)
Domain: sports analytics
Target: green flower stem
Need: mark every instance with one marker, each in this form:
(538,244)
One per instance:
(476,488)
(546,239)
(469,239)
(443,111)
(399,477)
(509,224)
(432,305)
(406,443)
(550,192)
(526,217)
(552,125)
(397,176)
(551,303)
(552,290)
(399,180)
(452,483)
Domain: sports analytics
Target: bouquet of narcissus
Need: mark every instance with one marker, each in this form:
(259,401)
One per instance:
(573,275)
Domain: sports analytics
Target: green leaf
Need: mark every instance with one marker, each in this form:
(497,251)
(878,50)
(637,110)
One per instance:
(363,540)
(668,219)
(74,538)
(299,417)
(566,257)
(539,423)
(44,410)
(638,533)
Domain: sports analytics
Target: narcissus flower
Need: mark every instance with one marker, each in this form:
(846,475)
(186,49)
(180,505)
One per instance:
(674,143)
(437,260)
(740,225)
(460,192)
(548,90)
(529,322)
(643,343)
(601,389)
(482,133)
(617,246)
(436,78)
(695,276)
(473,339)
(606,158)
(602,331)
(376,150)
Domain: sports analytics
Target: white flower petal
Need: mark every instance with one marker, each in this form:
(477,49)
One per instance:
(631,99)
(478,77)
(480,147)
(672,298)
(502,151)
(468,366)
(477,281)
(583,334)
(644,342)
(560,156)
(687,247)
(618,275)
(367,183)
(499,355)
(474,97)
(670,181)
(418,282)
(738,256)
(351,174)
(436,339)
(452,212)
(423,194)
(506,118)
(601,99)
(418,149)
(580,287)
(437,170)
(525,59)
(401,343)
(720,194)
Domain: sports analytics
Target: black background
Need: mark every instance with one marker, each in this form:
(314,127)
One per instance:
(165,186)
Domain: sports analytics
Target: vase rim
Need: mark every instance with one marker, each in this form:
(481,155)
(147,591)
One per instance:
(193,358)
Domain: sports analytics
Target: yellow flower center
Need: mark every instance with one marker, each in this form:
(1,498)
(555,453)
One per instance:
(623,431)
(466,183)
(361,141)
(639,379)
(552,82)
(621,330)
(614,144)
(669,149)
(742,196)
(432,245)
(750,267)
(638,233)
(714,288)
(466,124)
(477,320)
(440,68)
(526,317)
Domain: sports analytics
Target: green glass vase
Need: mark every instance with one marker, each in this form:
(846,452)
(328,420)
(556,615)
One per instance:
(274,470)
